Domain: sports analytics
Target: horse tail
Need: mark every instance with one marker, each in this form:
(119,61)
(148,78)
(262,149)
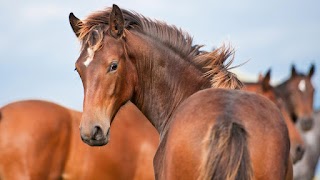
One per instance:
(227,155)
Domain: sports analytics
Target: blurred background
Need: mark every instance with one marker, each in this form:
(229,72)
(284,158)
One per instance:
(38,48)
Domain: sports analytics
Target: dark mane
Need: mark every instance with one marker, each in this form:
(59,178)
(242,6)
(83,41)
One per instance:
(211,64)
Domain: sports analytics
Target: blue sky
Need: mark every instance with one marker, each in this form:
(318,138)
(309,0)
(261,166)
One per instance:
(38,48)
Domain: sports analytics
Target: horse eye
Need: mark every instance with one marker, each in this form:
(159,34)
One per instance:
(113,66)
(75,69)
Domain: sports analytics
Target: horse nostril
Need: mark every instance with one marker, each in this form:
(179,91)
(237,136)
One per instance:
(300,150)
(97,133)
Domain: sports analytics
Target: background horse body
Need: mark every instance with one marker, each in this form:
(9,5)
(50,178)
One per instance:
(40,140)
(264,88)
(297,93)
(305,169)
(210,134)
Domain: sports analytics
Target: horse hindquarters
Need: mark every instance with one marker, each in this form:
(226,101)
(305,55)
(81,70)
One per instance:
(203,146)
(230,122)
(197,151)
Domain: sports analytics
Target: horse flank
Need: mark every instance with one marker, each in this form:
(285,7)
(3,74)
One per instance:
(179,41)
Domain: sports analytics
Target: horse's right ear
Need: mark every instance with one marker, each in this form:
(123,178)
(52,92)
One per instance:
(293,71)
(116,22)
(75,24)
(266,81)
(311,71)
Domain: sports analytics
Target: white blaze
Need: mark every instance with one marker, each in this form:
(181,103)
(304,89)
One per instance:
(302,85)
(89,58)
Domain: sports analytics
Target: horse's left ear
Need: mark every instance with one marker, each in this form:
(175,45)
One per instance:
(311,71)
(266,81)
(116,22)
(75,24)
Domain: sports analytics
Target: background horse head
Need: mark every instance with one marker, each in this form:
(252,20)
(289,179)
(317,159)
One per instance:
(297,92)
(264,88)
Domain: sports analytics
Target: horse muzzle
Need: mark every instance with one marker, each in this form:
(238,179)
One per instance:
(95,136)
(306,123)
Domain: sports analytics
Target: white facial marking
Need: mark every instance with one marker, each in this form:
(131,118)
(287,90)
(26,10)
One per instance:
(302,85)
(89,58)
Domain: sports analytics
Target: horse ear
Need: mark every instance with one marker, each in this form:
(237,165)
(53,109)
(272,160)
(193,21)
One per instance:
(266,81)
(293,70)
(311,71)
(116,22)
(75,24)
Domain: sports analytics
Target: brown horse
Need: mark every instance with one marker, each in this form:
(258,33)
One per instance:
(264,88)
(205,133)
(297,93)
(40,140)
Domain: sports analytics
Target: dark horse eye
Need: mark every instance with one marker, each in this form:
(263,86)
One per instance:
(113,66)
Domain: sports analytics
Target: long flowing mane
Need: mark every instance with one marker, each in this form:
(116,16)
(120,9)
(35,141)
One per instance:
(210,63)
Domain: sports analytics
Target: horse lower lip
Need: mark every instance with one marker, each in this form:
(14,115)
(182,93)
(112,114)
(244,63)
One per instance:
(97,143)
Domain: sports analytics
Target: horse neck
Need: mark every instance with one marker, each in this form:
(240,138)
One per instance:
(164,79)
